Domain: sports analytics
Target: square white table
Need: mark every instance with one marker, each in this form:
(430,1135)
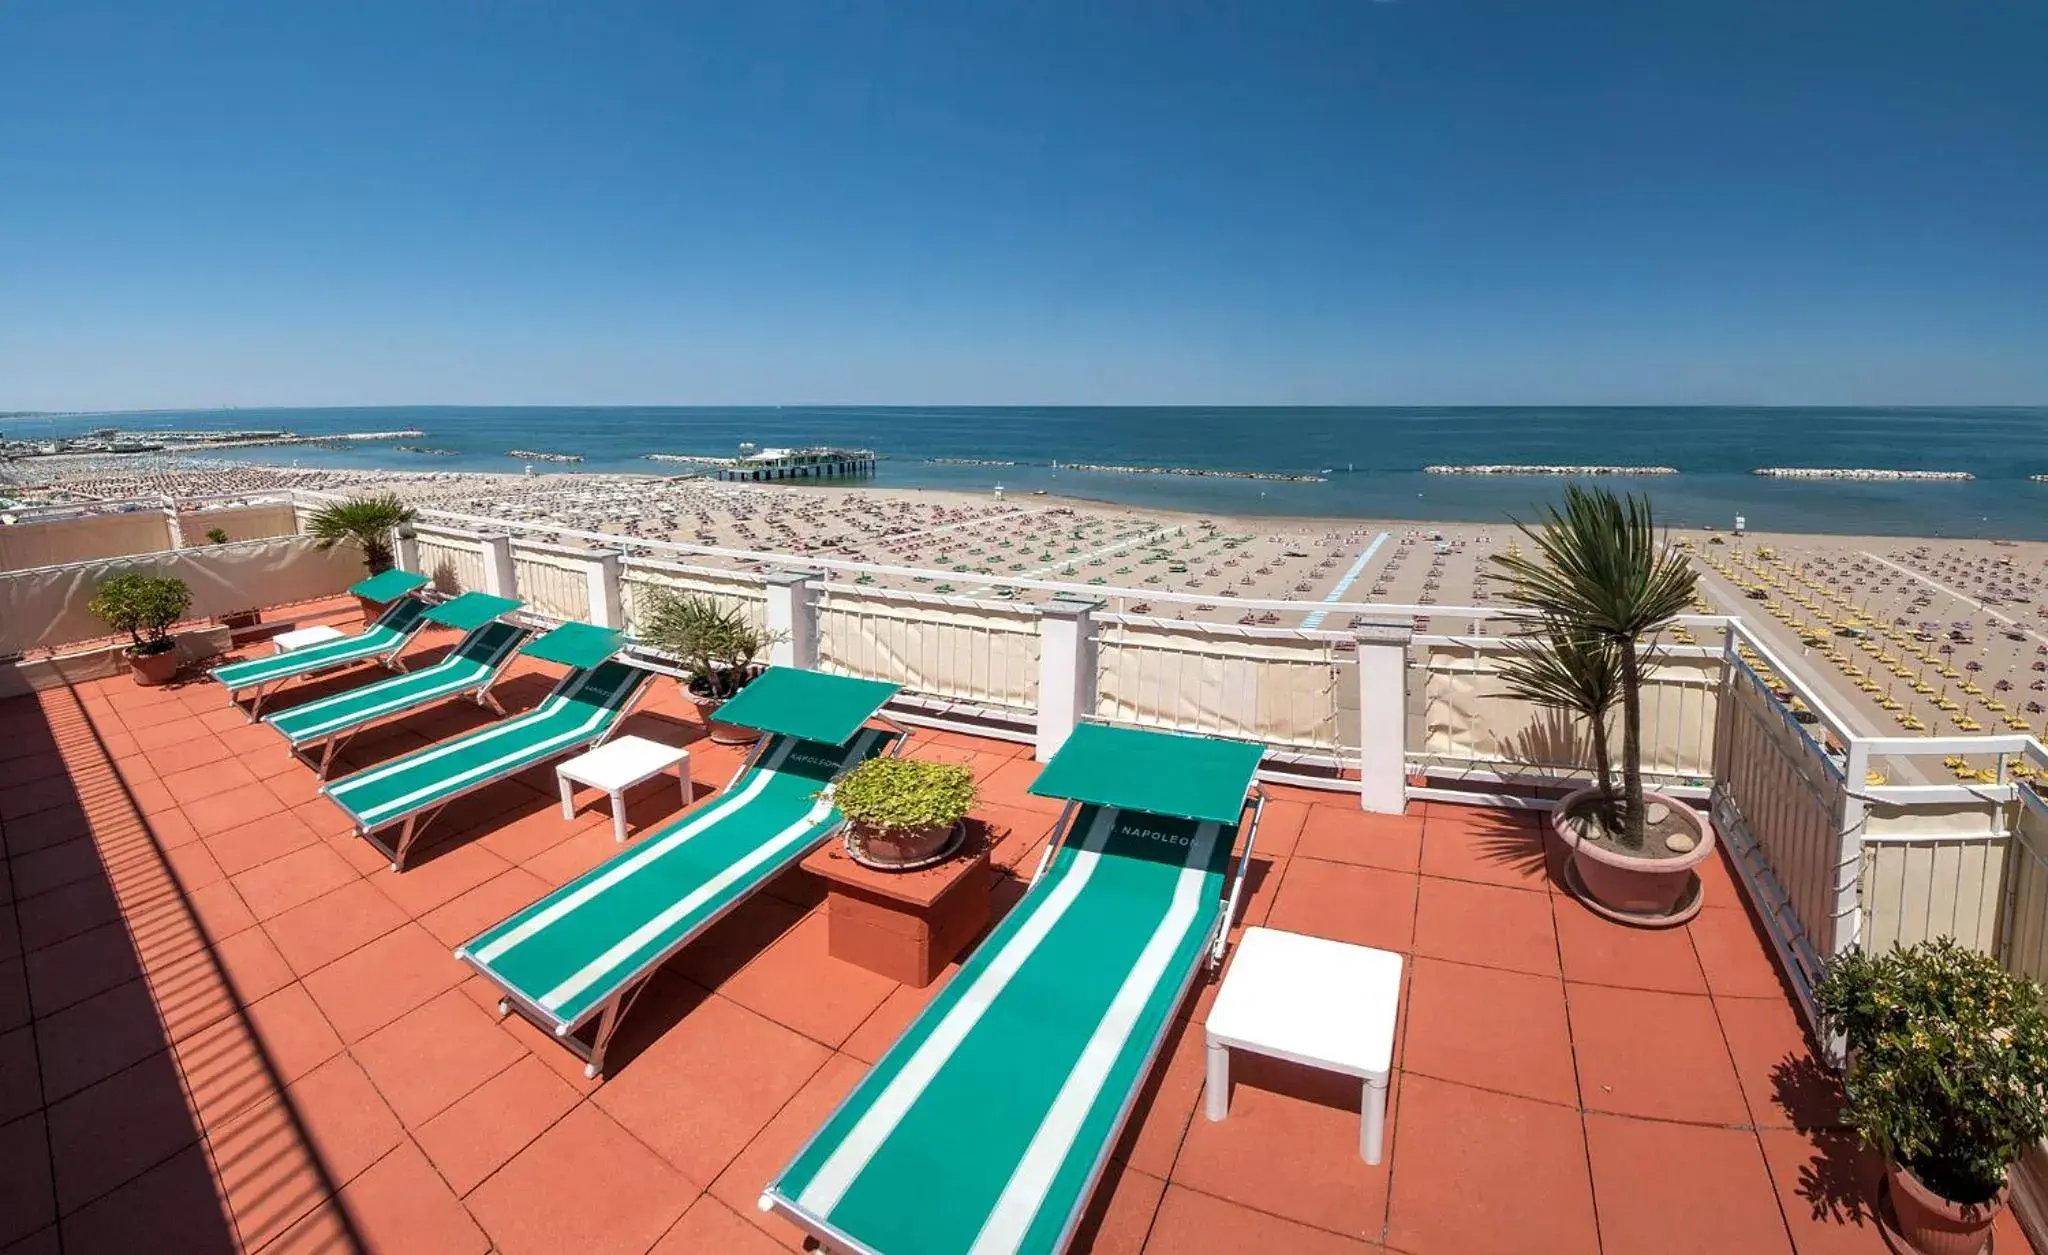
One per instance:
(1323,1004)
(617,766)
(286,642)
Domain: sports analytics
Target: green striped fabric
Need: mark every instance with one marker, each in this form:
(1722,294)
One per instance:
(581,709)
(571,952)
(984,1127)
(468,666)
(390,630)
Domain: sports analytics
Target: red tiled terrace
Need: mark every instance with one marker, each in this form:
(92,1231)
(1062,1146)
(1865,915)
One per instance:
(226,1025)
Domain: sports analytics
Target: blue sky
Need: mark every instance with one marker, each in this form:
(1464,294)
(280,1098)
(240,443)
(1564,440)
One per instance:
(1417,202)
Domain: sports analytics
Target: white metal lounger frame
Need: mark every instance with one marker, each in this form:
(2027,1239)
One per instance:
(844,1244)
(391,660)
(612,1010)
(333,742)
(416,822)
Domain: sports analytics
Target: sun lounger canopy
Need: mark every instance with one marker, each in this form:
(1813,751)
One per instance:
(807,704)
(1165,773)
(471,611)
(388,585)
(576,645)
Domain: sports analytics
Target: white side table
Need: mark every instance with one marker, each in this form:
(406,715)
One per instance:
(617,766)
(286,642)
(1323,1004)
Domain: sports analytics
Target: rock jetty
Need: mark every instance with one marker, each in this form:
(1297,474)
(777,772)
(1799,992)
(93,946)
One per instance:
(533,456)
(1200,472)
(1512,469)
(1868,473)
(966,462)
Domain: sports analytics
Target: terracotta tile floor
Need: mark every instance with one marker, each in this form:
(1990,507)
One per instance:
(224,1025)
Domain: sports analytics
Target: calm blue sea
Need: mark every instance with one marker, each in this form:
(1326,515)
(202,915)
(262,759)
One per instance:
(1375,454)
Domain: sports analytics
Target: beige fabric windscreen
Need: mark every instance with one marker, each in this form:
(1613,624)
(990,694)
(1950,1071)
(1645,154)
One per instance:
(1775,782)
(2026,939)
(1470,716)
(454,563)
(54,542)
(1273,687)
(47,607)
(641,581)
(552,582)
(1932,870)
(249,522)
(969,651)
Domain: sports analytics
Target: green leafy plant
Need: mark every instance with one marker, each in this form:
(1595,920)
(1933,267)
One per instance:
(144,606)
(216,536)
(1602,569)
(1559,667)
(905,793)
(718,647)
(366,523)
(1948,1070)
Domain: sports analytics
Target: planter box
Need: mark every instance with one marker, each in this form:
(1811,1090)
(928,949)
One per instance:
(904,925)
(37,674)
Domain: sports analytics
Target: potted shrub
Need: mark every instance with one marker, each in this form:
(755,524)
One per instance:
(1602,580)
(903,813)
(1947,1078)
(145,607)
(366,523)
(234,619)
(719,649)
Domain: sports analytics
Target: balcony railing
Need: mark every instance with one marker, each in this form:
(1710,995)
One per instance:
(1837,844)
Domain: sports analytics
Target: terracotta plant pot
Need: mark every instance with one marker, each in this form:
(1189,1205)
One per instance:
(1643,890)
(900,849)
(721,733)
(1929,1224)
(151,670)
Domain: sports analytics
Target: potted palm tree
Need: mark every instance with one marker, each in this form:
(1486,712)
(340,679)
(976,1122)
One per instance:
(365,523)
(1947,1078)
(903,813)
(719,649)
(1602,582)
(145,607)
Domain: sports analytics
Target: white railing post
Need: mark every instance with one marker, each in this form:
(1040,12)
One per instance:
(1847,932)
(1383,715)
(405,548)
(607,594)
(793,618)
(500,577)
(173,525)
(1066,670)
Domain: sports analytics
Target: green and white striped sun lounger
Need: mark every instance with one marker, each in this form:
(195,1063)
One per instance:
(381,641)
(584,709)
(468,670)
(580,954)
(986,1126)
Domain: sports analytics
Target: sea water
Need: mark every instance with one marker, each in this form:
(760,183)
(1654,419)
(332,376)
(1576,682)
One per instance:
(1371,458)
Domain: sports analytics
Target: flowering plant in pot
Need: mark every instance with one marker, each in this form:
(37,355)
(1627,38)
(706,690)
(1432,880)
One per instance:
(719,649)
(1947,1077)
(1602,582)
(903,813)
(145,607)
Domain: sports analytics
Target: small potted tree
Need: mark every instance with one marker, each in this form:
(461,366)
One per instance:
(365,523)
(1947,1078)
(719,649)
(903,813)
(145,607)
(1602,582)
